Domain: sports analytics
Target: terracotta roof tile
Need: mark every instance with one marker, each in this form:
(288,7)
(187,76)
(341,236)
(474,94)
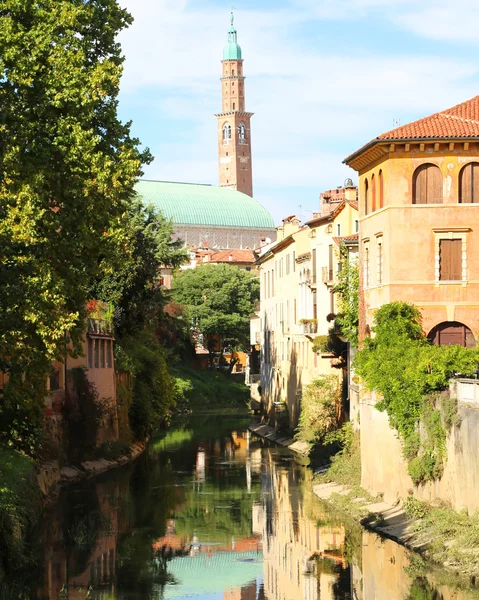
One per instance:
(237,256)
(346,238)
(460,121)
(456,122)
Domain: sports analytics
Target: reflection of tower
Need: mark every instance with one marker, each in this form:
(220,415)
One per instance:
(234,128)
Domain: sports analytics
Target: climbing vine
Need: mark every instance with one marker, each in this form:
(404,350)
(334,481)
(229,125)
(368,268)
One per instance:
(408,372)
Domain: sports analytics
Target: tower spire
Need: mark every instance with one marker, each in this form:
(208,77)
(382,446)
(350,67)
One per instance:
(232,16)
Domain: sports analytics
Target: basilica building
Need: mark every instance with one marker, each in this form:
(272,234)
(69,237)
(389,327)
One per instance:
(224,217)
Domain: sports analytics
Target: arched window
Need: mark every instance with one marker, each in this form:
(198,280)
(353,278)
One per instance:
(452,333)
(366,197)
(241,132)
(373,193)
(226,131)
(233,72)
(469,184)
(427,185)
(381,190)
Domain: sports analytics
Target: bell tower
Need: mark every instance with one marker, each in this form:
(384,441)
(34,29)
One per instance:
(234,127)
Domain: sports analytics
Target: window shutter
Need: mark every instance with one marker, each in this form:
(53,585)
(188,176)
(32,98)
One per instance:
(420,196)
(451,260)
(434,193)
(466,184)
(475,183)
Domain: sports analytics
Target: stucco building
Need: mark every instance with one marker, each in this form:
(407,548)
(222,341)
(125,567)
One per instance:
(297,276)
(419,222)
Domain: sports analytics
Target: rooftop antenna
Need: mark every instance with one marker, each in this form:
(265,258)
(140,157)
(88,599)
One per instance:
(233,8)
(396,122)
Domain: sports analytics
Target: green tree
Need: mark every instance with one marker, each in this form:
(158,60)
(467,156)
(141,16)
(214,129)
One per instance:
(220,299)
(347,289)
(141,243)
(68,167)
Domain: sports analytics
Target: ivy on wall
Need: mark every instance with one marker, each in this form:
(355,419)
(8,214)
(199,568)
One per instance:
(408,372)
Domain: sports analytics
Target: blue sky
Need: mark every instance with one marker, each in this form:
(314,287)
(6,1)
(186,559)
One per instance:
(323,77)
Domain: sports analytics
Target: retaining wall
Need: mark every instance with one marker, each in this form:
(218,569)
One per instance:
(385,471)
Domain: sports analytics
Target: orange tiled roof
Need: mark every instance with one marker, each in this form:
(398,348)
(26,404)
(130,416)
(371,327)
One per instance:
(237,256)
(460,121)
(346,238)
(456,122)
(354,204)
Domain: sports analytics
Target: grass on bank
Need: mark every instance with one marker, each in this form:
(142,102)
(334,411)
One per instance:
(345,467)
(202,391)
(452,538)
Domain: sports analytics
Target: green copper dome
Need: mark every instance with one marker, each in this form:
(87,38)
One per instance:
(232,50)
(204,205)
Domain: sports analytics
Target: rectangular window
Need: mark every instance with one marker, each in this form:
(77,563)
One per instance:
(356,226)
(109,354)
(366,266)
(96,350)
(102,354)
(450,260)
(272,282)
(338,229)
(330,263)
(294,261)
(380,261)
(90,357)
(314,265)
(287,264)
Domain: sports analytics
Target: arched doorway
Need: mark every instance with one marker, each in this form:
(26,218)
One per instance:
(451,333)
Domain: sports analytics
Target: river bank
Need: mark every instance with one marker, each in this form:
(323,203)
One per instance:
(434,533)
(51,475)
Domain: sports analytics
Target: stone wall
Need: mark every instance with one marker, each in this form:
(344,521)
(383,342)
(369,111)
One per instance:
(385,471)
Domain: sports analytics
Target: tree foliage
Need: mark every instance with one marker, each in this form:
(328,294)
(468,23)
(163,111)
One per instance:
(347,289)
(68,167)
(408,371)
(220,299)
(129,275)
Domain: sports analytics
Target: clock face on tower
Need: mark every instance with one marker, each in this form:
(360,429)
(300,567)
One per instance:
(234,122)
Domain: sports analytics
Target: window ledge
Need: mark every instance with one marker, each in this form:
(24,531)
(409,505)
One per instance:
(455,282)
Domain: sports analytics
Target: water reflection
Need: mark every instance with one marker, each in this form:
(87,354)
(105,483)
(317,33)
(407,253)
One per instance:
(213,514)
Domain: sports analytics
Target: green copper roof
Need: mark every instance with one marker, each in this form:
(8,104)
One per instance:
(204,205)
(232,50)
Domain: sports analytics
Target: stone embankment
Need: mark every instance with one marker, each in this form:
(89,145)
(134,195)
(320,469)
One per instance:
(273,435)
(51,476)
(389,520)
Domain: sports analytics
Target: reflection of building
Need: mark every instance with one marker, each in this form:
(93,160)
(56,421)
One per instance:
(245,593)
(63,578)
(292,541)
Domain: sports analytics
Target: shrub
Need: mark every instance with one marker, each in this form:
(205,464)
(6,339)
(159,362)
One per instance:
(319,409)
(20,507)
(408,371)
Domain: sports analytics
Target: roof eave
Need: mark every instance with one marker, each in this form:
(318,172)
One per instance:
(383,141)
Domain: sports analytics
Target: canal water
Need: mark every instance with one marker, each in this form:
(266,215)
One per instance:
(211,512)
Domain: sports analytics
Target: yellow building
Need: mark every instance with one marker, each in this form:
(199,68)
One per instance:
(297,275)
(419,193)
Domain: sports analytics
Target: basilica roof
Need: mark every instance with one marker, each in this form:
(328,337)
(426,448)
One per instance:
(204,205)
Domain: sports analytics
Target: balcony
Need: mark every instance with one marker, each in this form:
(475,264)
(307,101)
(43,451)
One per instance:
(327,275)
(309,326)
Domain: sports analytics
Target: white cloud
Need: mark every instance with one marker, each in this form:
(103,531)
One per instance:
(313,106)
